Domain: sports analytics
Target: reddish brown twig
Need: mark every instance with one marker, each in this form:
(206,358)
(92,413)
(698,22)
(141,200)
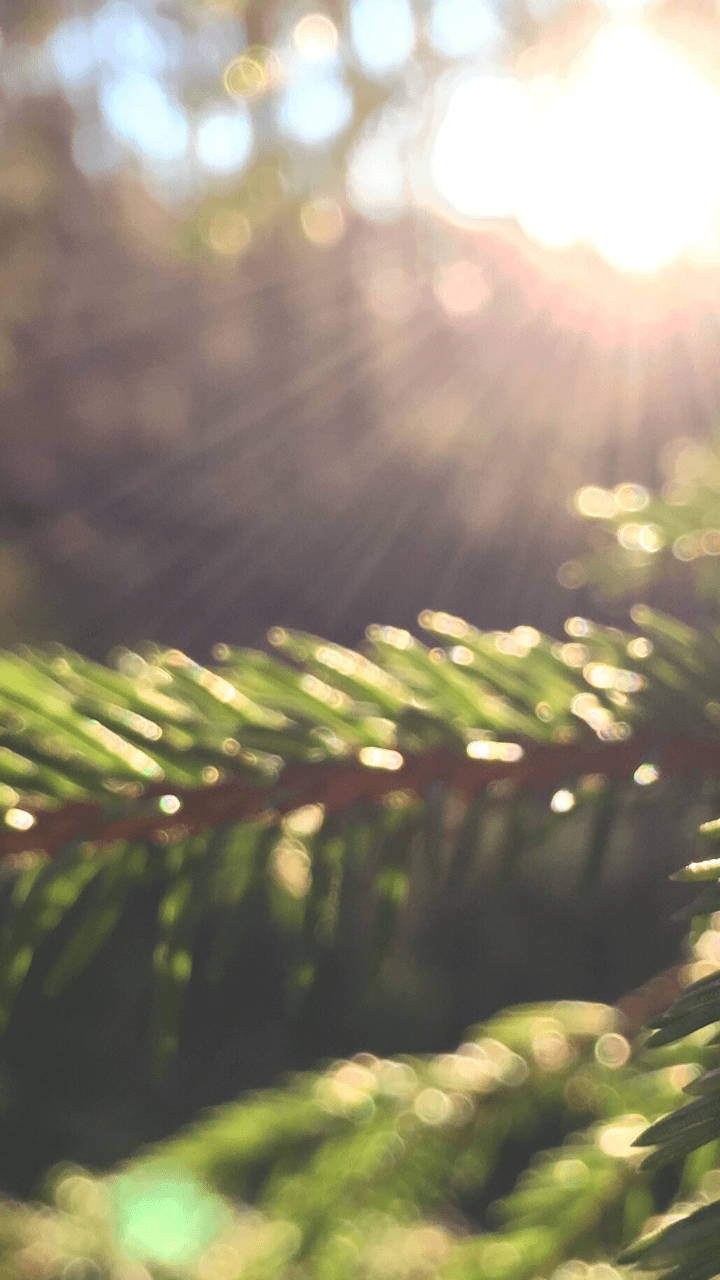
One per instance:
(341,786)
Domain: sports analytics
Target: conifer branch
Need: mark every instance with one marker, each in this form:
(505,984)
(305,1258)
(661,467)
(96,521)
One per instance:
(340,786)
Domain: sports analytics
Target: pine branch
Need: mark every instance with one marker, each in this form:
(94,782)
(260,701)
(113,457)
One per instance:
(355,802)
(339,788)
(98,755)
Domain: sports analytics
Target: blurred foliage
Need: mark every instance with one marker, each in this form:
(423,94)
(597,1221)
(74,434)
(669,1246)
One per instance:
(683,1242)
(214,874)
(639,538)
(394,1168)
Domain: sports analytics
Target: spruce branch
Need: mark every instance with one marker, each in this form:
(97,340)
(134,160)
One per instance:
(340,787)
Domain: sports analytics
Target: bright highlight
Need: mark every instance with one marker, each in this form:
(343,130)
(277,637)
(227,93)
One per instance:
(618,154)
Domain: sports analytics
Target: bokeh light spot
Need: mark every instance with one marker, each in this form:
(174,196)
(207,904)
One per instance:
(139,111)
(562,801)
(380,758)
(616,1139)
(228,233)
(316,37)
(316,107)
(646,774)
(170,804)
(291,868)
(376,178)
(71,51)
(120,33)
(461,288)
(305,821)
(322,221)
(224,140)
(165,1218)
(19,819)
(383,34)
(433,1106)
(612,1050)
(595,503)
(461,27)
(253,73)
(631,497)
(487,749)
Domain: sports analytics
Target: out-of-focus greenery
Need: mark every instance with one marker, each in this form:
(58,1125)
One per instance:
(349,917)
(391,1168)
(639,538)
(683,1243)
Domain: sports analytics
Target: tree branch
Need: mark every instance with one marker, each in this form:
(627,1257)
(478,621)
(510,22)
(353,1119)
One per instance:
(341,786)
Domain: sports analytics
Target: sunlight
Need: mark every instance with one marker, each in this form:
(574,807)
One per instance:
(617,155)
(479,150)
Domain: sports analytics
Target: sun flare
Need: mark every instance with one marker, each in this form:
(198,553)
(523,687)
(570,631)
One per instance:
(618,153)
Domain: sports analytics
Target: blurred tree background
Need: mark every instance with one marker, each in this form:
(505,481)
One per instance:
(266,359)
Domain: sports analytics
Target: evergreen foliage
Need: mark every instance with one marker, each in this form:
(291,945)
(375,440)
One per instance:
(381,1167)
(357,840)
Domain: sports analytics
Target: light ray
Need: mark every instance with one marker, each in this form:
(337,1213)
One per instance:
(268,550)
(369,548)
(234,441)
